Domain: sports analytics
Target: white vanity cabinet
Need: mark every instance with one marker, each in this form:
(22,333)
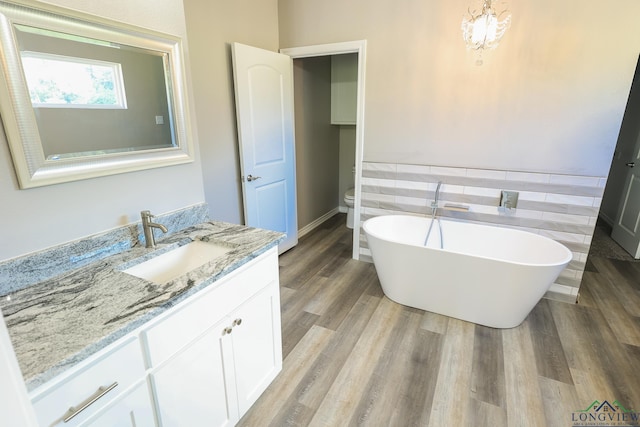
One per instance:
(106,390)
(211,357)
(203,362)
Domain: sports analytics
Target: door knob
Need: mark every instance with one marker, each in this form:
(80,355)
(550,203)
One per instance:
(630,164)
(252,178)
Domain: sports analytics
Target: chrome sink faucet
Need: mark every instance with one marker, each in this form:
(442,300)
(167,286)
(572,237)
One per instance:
(147,228)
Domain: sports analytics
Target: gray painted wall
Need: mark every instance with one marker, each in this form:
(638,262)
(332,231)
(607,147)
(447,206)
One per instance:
(317,141)
(46,216)
(549,103)
(550,98)
(212,27)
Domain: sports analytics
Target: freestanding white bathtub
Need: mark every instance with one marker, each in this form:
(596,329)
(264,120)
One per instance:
(491,276)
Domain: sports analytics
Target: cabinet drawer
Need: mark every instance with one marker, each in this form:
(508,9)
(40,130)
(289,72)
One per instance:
(204,309)
(133,409)
(123,366)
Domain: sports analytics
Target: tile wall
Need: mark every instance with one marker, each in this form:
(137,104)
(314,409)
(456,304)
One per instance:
(562,207)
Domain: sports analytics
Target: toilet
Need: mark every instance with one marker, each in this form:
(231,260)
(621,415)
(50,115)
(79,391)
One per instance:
(349,196)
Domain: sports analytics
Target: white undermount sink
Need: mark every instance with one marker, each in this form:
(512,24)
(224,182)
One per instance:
(178,261)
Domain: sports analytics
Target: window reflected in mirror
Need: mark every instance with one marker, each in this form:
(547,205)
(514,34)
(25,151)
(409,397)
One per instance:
(57,81)
(77,88)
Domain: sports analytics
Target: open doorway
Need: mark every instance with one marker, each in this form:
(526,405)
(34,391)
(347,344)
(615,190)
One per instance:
(325,138)
(359,49)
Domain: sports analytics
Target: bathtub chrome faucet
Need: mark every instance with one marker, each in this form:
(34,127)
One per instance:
(434,213)
(434,204)
(147,228)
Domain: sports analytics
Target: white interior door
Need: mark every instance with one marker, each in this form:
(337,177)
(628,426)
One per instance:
(626,229)
(263,83)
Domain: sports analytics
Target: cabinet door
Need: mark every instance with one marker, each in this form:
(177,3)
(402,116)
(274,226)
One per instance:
(190,387)
(344,89)
(257,345)
(133,409)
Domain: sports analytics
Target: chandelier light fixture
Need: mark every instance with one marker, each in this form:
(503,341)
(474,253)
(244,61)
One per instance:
(484,30)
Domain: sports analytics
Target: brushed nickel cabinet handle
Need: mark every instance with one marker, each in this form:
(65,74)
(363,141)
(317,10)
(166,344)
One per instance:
(237,322)
(73,411)
(227,330)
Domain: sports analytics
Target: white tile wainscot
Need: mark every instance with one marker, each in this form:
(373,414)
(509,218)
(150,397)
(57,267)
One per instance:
(562,207)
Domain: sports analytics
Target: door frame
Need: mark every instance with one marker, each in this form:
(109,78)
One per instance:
(359,47)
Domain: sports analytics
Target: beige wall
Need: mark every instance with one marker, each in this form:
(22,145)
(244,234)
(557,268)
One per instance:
(317,141)
(212,27)
(550,98)
(41,217)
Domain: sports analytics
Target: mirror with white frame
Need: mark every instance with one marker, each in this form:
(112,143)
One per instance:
(82,96)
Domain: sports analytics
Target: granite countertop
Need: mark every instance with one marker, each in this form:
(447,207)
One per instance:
(57,323)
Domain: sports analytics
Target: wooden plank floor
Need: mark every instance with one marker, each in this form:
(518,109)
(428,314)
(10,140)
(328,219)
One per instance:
(353,357)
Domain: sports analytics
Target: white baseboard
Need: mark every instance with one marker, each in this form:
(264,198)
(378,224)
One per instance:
(318,222)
